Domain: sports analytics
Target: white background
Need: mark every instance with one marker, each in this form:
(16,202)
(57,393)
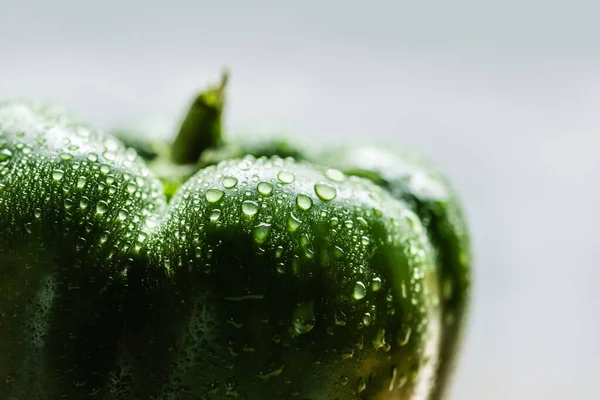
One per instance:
(504,95)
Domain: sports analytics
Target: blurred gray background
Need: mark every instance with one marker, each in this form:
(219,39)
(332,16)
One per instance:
(503,95)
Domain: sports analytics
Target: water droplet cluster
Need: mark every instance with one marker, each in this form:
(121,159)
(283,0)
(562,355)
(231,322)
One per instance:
(345,264)
(75,207)
(257,273)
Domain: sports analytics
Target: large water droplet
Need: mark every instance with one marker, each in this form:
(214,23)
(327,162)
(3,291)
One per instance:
(361,385)
(265,188)
(57,174)
(304,202)
(325,191)
(338,252)
(335,175)
(109,155)
(123,215)
(303,318)
(278,251)
(215,214)
(214,195)
(249,207)
(340,318)
(131,187)
(367,319)
(229,182)
(376,284)
(359,290)
(404,336)
(293,223)
(81,182)
(68,204)
(261,232)
(286,176)
(101,207)
(5,155)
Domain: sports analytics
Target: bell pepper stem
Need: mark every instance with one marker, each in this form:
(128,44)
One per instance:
(201,128)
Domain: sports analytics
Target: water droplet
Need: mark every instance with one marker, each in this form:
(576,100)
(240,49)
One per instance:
(109,155)
(361,386)
(245,164)
(278,251)
(338,252)
(363,222)
(359,290)
(261,232)
(286,176)
(325,191)
(335,175)
(5,154)
(265,188)
(340,318)
(105,169)
(376,284)
(57,174)
(304,240)
(403,292)
(84,202)
(214,195)
(281,268)
(151,222)
(249,207)
(367,319)
(404,336)
(271,372)
(66,156)
(123,214)
(92,157)
(101,207)
(365,240)
(215,214)
(68,204)
(379,340)
(104,237)
(37,213)
(304,202)
(81,182)
(303,318)
(131,187)
(293,223)
(229,182)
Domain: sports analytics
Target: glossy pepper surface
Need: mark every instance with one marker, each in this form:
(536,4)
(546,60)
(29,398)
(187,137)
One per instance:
(259,278)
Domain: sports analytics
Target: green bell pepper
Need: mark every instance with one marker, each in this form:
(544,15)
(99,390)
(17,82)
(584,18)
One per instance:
(255,277)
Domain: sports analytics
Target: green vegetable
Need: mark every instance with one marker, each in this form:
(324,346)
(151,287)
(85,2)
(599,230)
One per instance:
(260,277)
